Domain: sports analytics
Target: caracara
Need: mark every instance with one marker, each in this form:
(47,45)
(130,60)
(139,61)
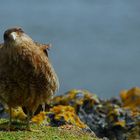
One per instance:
(27,78)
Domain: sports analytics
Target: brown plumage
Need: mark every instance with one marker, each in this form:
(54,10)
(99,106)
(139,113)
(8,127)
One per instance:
(27,77)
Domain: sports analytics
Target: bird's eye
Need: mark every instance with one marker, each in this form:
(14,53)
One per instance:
(20,30)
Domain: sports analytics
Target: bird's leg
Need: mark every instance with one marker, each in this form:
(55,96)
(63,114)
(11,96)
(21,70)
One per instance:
(29,116)
(10,118)
(43,107)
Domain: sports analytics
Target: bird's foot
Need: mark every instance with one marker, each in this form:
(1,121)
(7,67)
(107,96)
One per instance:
(31,129)
(9,128)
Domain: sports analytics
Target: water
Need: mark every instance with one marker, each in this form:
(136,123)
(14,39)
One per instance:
(96,43)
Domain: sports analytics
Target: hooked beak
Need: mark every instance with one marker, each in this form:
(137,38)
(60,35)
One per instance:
(13,35)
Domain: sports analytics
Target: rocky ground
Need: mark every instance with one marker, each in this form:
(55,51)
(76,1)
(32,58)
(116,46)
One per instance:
(113,119)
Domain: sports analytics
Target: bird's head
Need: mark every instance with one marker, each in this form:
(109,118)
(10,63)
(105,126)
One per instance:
(15,35)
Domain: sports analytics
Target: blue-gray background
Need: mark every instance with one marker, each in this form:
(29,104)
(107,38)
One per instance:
(96,43)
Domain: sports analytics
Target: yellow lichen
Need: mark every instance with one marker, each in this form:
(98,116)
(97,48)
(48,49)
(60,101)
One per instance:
(75,98)
(68,114)
(131,99)
(121,123)
(17,113)
(39,118)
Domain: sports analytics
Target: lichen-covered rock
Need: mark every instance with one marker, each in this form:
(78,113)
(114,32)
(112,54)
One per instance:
(107,118)
(39,118)
(60,115)
(3,114)
(131,99)
(75,98)
(134,134)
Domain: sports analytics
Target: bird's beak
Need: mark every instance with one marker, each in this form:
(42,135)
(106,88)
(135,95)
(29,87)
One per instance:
(13,35)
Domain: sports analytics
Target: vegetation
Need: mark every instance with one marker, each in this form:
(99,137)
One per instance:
(40,132)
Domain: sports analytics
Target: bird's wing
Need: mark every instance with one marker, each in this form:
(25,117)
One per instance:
(1,55)
(44,47)
(1,52)
(1,45)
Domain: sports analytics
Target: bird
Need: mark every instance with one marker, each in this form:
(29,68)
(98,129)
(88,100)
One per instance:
(27,77)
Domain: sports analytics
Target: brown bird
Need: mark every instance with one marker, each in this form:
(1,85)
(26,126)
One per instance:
(27,78)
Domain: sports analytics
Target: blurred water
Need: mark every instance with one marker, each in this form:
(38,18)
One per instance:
(96,43)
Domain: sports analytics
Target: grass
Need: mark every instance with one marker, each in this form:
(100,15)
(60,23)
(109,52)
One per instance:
(42,133)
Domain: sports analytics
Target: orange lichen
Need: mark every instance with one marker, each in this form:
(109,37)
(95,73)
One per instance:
(121,123)
(68,114)
(39,118)
(17,113)
(131,98)
(75,98)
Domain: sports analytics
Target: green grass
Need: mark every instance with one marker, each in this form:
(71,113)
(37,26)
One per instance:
(42,133)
